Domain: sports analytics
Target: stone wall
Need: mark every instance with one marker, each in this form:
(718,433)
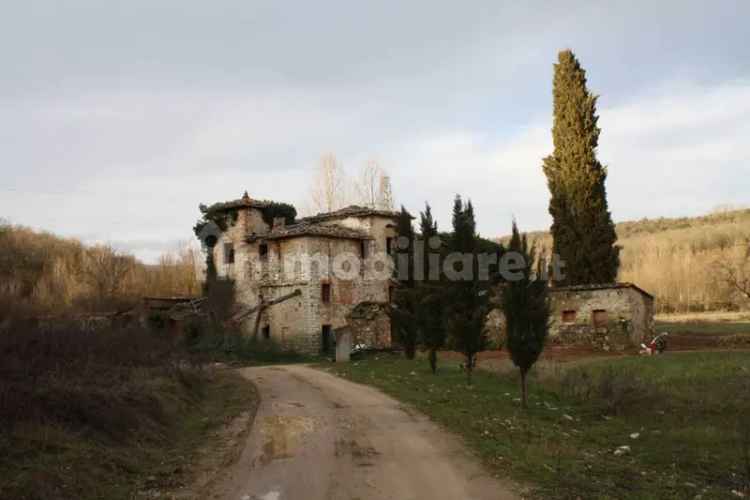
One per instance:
(495,326)
(381,228)
(249,220)
(370,325)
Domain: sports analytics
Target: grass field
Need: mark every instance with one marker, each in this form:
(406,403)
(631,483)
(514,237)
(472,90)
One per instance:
(709,323)
(683,416)
(722,330)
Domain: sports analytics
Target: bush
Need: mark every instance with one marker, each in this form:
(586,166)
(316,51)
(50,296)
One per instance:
(736,340)
(106,413)
(101,381)
(611,390)
(235,347)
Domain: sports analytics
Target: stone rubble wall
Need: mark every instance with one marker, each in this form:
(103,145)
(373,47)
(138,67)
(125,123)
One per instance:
(297,322)
(629,317)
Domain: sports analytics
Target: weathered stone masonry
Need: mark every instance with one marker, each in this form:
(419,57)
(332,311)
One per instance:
(270,262)
(608,317)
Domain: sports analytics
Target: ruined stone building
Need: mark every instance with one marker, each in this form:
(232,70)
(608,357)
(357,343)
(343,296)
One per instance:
(610,317)
(301,282)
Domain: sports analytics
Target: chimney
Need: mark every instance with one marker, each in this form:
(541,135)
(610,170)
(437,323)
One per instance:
(279,222)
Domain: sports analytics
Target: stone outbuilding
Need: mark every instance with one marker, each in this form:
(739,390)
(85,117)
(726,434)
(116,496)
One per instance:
(609,316)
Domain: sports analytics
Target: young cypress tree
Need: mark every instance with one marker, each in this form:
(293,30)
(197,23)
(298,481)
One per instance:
(464,237)
(526,312)
(430,303)
(467,300)
(404,251)
(428,229)
(405,303)
(582,229)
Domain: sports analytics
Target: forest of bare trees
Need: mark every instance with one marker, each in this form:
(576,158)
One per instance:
(41,273)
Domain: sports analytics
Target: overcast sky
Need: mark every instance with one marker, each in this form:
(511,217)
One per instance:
(118,118)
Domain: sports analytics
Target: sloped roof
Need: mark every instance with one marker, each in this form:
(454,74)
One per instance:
(351,211)
(603,286)
(311,229)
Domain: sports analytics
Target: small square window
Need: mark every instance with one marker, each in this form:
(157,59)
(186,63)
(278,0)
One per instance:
(325,293)
(600,318)
(263,250)
(569,316)
(228,253)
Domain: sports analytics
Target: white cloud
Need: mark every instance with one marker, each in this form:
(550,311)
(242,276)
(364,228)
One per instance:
(114,127)
(668,154)
(680,152)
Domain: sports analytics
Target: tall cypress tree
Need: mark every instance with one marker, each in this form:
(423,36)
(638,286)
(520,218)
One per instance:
(467,301)
(582,228)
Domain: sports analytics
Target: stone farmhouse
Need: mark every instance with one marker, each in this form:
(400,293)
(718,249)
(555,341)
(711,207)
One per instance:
(609,317)
(300,283)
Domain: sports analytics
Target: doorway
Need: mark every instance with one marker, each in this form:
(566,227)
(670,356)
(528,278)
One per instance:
(326,340)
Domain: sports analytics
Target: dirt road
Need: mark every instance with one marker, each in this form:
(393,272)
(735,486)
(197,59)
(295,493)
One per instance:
(318,437)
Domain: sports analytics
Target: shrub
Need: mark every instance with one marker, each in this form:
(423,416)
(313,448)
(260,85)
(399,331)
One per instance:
(202,342)
(101,381)
(611,390)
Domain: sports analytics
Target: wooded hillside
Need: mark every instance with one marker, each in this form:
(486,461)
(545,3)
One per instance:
(41,273)
(683,261)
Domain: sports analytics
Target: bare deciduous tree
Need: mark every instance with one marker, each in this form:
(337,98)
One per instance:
(332,189)
(329,189)
(106,270)
(176,272)
(373,187)
(737,274)
(367,186)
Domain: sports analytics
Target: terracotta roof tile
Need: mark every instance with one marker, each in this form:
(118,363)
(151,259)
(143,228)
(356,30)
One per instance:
(351,211)
(310,229)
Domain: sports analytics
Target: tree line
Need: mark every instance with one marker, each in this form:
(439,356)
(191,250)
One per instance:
(41,273)
(438,312)
(453,313)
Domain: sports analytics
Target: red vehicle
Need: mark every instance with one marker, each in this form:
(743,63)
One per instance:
(657,345)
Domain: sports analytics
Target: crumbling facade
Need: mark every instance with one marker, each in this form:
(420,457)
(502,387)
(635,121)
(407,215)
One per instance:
(300,282)
(608,317)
